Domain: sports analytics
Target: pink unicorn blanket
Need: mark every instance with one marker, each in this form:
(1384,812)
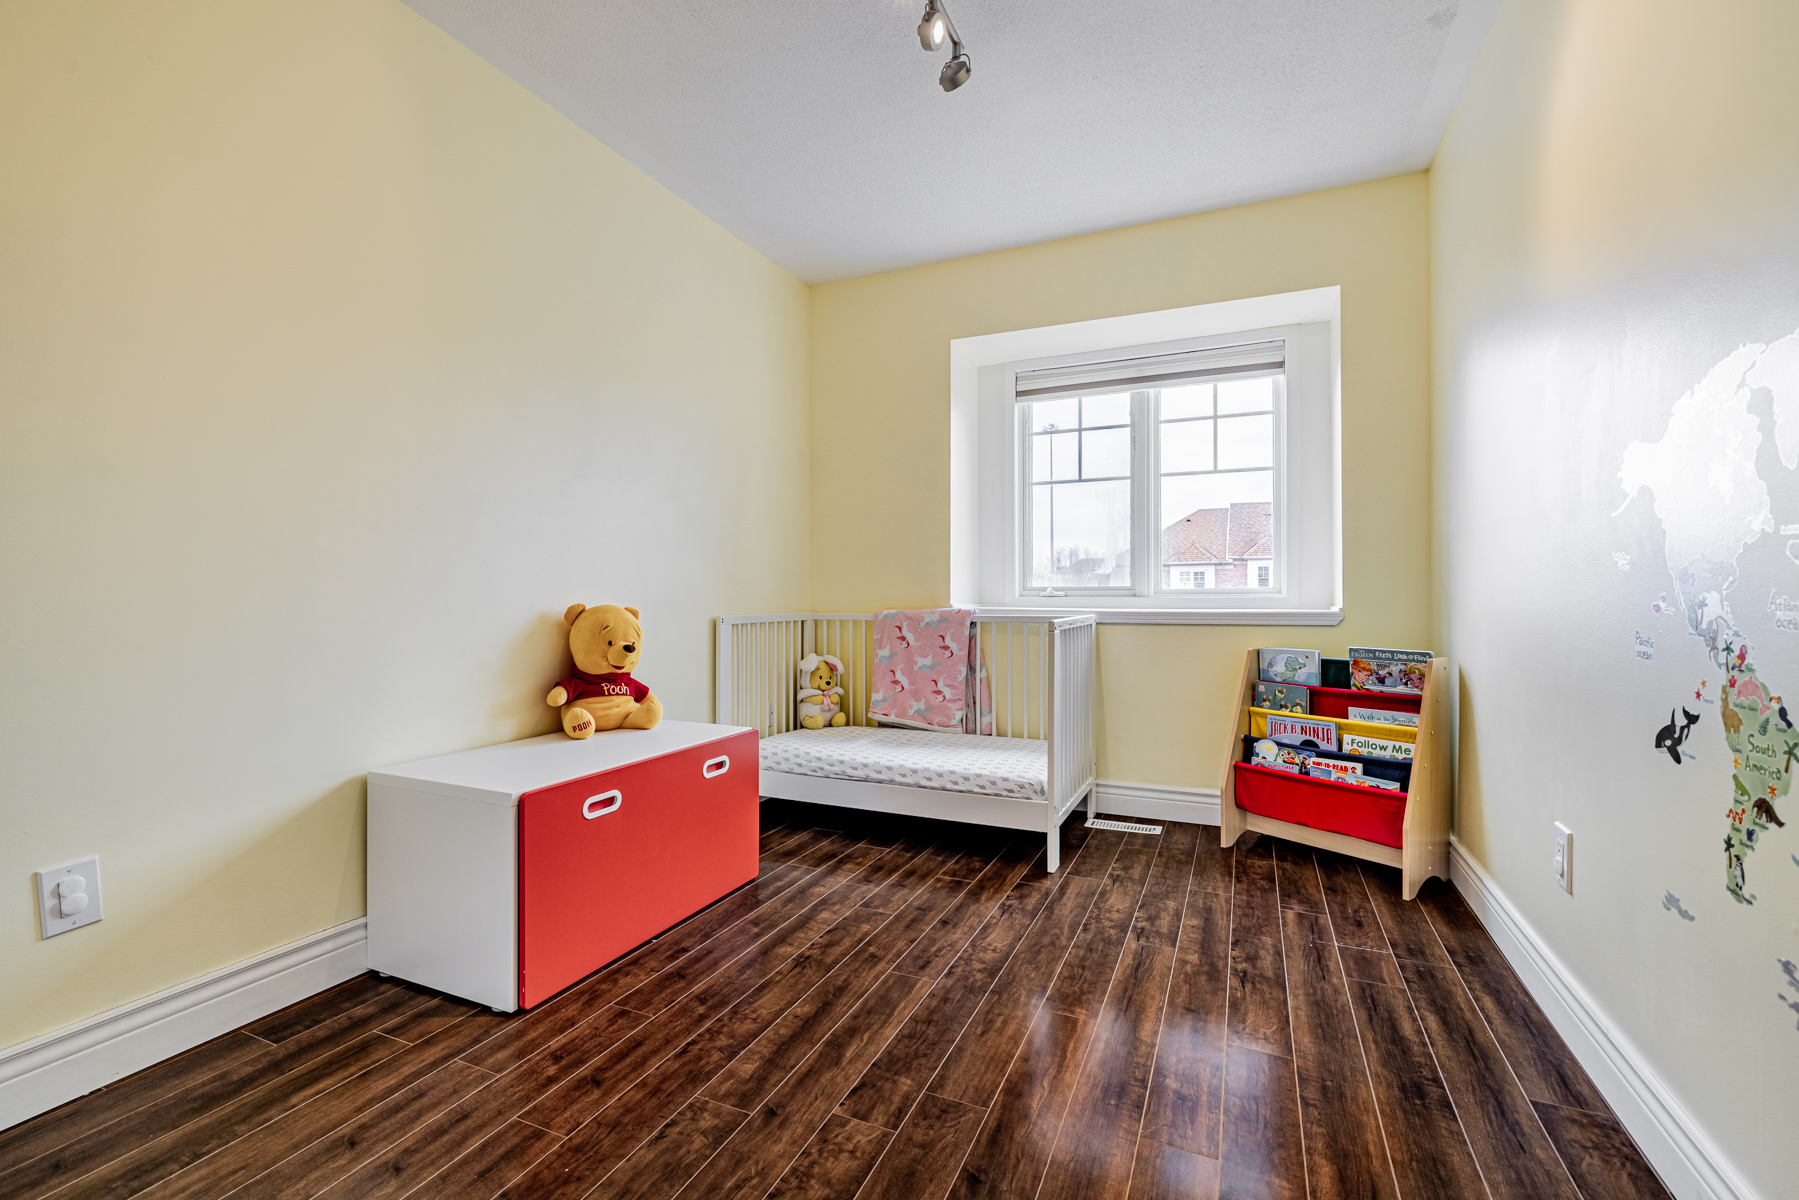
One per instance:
(921,677)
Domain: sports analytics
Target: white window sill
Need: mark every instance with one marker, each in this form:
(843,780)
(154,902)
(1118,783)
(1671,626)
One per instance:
(1174,616)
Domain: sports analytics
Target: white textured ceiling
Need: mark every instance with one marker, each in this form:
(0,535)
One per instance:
(816,132)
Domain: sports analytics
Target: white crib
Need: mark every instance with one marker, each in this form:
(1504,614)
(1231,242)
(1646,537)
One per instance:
(1040,674)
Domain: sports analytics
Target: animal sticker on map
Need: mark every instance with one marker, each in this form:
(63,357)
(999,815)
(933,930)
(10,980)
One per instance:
(1670,736)
(1671,903)
(1792,973)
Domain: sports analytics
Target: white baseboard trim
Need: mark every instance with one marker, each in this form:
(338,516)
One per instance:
(1689,1162)
(1158,803)
(38,1075)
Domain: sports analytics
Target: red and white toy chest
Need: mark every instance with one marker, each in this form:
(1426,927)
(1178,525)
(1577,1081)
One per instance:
(505,874)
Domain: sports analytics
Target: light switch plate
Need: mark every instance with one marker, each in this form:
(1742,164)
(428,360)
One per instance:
(1564,857)
(49,896)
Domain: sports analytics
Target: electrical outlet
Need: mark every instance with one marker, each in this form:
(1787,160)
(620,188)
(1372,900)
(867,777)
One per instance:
(1564,857)
(68,896)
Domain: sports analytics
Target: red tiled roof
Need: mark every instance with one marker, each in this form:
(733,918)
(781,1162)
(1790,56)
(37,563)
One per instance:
(1218,535)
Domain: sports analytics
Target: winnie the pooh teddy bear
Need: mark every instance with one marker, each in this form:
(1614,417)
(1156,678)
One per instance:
(606,641)
(821,692)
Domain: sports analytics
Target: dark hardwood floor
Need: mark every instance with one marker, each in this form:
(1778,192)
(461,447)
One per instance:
(902,1008)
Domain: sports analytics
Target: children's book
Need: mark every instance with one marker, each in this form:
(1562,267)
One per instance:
(1333,768)
(1379,716)
(1280,665)
(1372,747)
(1282,758)
(1304,731)
(1403,671)
(1372,781)
(1283,697)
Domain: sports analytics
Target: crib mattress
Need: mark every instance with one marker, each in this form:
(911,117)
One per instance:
(947,762)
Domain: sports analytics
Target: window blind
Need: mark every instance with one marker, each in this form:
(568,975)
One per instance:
(1256,360)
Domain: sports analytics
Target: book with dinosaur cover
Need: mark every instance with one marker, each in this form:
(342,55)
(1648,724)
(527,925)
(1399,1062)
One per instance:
(1375,670)
(1283,697)
(1281,665)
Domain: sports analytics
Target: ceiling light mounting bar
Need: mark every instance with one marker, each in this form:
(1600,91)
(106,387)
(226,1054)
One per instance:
(932,32)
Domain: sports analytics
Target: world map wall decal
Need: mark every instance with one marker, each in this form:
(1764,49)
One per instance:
(1712,504)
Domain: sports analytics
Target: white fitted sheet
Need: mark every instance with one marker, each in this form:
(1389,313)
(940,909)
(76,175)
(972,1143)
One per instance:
(947,762)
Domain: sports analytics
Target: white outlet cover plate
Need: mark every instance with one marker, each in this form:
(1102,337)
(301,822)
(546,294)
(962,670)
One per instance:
(49,914)
(1564,843)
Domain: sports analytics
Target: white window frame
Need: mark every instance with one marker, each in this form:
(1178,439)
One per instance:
(1146,479)
(986,468)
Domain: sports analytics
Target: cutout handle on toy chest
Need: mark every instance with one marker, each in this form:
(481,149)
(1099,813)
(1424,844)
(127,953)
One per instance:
(590,812)
(713,768)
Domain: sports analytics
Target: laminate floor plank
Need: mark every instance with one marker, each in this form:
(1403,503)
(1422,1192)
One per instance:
(1369,966)
(1261,1152)
(1013,1145)
(975,1068)
(1514,1152)
(1346,1151)
(1086,972)
(761,1067)
(1425,1142)
(251,1153)
(835,1162)
(415,1158)
(1164,901)
(151,1164)
(1408,930)
(1601,1156)
(1297,874)
(315,1010)
(759,1153)
(921,1159)
(1165,1173)
(1544,1065)
(89,1153)
(1258,1015)
(674,1154)
(329,1159)
(1354,921)
(1213,865)
(901,1007)
(62,1125)
(496,1161)
(1186,1090)
(1098,1141)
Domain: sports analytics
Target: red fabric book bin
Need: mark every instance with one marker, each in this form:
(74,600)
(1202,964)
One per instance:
(1372,814)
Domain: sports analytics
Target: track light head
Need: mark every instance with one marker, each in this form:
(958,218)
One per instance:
(955,73)
(933,29)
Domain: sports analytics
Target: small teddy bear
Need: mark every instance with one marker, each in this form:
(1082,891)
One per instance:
(606,642)
(821,692)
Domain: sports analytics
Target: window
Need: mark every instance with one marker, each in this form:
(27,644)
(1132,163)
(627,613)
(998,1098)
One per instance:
(1165,467)
(1169,460)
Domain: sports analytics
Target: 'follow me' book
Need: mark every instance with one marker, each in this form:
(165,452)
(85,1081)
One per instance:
(1403,671)
(1281,665)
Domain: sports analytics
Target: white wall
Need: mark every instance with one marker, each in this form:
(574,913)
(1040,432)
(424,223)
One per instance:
(333,367)
(1615,209)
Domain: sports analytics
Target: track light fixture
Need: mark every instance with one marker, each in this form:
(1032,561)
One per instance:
(932,30)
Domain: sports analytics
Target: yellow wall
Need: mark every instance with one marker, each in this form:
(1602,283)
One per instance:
(1615,209)
(333,366)
(881,426)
